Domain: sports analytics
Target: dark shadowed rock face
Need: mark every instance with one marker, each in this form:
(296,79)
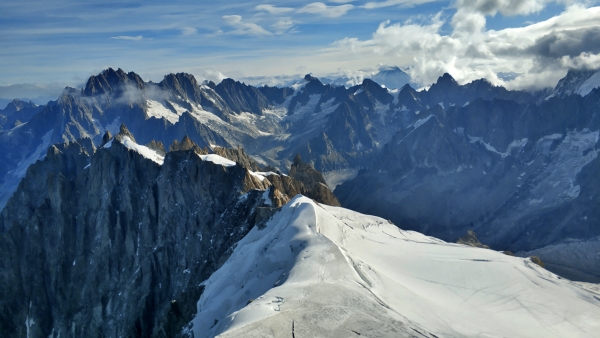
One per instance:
(241,97)
(110,81)
(304,172)
(313,181)
(107,243)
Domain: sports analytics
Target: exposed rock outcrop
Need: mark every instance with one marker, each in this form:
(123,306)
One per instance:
(187,144)
(470,239)
(313,182)
(537,261)
(238,155)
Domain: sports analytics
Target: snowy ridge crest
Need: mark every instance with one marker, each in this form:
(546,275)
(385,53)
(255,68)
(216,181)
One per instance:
(327,271)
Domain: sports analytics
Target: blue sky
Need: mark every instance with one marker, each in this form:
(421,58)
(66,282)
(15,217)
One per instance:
(52,43)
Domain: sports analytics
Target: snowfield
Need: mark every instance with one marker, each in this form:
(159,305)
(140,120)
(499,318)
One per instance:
(320,271)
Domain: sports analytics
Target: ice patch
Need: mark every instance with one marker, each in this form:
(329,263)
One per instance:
(159,111)
(415,125)
(261,175)
(516,144)
(299,111)
(421,122)
(459,130)
(142,150)
(216,159)
(544,144)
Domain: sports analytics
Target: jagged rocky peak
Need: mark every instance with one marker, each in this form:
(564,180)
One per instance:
(375,92)
(182,84)
(187,144)
(158,147)
(446,78)
(309,77)
(124,132)
(110,81)
(314,85)
(241,97)
(106,138)
(15,106)
(276,95)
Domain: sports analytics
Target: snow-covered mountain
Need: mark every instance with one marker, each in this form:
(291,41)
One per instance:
(580,82)
(515,167)
(390,77)
(320,271)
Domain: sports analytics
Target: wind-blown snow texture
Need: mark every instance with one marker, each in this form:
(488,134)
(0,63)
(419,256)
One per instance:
(317,270)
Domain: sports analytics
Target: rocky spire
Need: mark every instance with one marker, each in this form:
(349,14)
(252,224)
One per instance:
(187,144)
(107,136)
(123,131)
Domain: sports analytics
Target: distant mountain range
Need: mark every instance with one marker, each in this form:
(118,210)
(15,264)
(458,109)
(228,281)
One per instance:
(172,209)
(515,166)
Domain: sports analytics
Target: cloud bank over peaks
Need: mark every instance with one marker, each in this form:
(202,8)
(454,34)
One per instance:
(539,53)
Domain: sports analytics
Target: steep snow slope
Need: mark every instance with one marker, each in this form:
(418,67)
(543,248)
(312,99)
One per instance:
(589,84)
(324,271)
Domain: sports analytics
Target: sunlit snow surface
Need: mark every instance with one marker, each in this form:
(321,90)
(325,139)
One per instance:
(330,272)
(589,84)
(142,150)
(216,159)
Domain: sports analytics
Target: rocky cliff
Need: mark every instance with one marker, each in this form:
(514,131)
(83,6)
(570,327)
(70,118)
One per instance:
(114,241)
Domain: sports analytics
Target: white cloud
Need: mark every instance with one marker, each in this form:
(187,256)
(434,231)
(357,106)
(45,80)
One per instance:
(244,28)
(324,10)
(210,75)
(187,31)
(282,26)
(273,10)
(540,53)
(127,37)
(389,3)
(506,7)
